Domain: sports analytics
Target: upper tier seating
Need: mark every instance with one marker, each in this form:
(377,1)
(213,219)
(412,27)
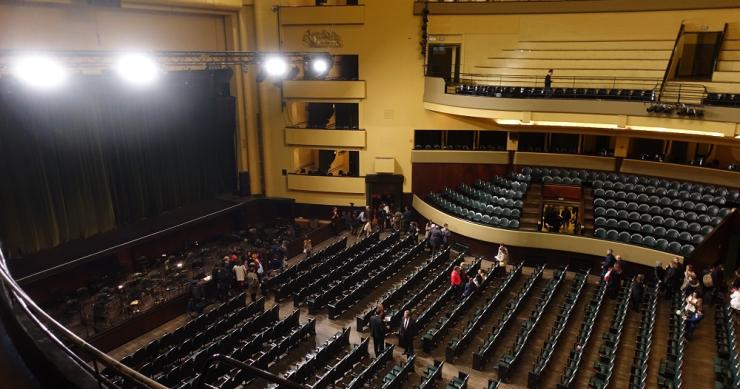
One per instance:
(495,203)
(662,214)
(557,93)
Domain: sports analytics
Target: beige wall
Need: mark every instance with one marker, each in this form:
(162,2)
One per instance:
(100,28)
(387,42)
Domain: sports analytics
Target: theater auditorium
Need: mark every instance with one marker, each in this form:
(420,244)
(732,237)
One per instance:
(309,194)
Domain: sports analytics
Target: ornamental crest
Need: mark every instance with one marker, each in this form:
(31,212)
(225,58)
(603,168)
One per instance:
(323,38)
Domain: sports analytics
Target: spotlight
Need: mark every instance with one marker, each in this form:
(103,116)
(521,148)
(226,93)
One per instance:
(319,65)
(138,69)
(39,71)
(275,66)
(179,265)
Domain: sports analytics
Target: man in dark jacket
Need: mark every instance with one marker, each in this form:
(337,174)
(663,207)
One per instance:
(671,280)
(407,333)
(614,281)
(638,290)
(608,261)
(469,288)
(377,330)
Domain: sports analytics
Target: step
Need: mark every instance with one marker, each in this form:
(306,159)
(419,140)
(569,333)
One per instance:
(584,54)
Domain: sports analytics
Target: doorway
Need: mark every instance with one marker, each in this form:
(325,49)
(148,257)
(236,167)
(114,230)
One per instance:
(443,61)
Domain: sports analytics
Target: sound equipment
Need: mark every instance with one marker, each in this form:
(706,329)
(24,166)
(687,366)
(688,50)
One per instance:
(244,189)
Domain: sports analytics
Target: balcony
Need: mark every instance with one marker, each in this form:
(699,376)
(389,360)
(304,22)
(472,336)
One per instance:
(326,184)
(624,117)
(325,138)
(323,90)
(322,15)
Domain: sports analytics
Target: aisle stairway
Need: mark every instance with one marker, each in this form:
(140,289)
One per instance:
(532,209)
(588,211)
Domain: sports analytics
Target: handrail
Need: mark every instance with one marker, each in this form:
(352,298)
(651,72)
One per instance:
(46,323)
(652,83)
(718,48)
(670,60)
(200,381)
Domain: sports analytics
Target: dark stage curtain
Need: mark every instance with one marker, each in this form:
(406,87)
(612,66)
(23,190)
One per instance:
(97,154)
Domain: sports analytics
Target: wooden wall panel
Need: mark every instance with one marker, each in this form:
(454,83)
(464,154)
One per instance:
(430,177)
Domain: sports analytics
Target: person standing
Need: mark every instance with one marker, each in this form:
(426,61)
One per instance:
(638,290)
(469,288)
(307,247)
(613,281)
(240,272)
(377,330)
(502,257)
(548,83)
(455,279)
(608,262)
(253,283)
(407,333)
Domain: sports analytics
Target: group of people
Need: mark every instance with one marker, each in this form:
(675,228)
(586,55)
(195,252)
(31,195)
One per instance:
(436,237)
(677,279)
(363,221)
(380,326)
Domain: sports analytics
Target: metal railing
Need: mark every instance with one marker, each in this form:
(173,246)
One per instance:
(538,81)
(18,299)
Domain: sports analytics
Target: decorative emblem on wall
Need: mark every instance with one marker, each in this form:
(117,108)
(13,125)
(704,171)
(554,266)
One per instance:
(323,38)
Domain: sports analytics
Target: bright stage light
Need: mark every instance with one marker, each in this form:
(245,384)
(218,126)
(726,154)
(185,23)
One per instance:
(138,69)
(40,71)
(319,65)
(275,66)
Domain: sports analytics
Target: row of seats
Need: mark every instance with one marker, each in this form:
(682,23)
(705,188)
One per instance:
(448,296)
(258,343)
(656,204)
(512,306)
(459,382)
(439,329)
(616,181)
(557,93)
(421,276)
(501,189)
(669,372)
(439,285)
(168,341)
(318,357)
(638,371)
(708,194)
(659,216)
(610,341)
(343,277)
(481,147)
(449,207)
(430,375)
(510,358)
(584,335)
(564,315)
(398,374)
(635,233)
(372,370)
(320,279)
(455,345)
(224,376)
(517,183)
(727,363)
(339,369)
(352,295)
(722,99)
(302,278)
(278,282)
